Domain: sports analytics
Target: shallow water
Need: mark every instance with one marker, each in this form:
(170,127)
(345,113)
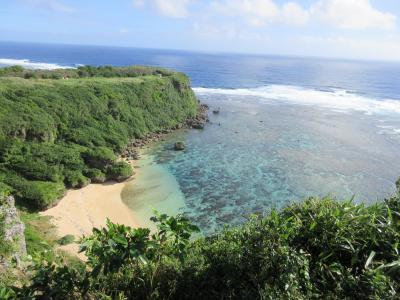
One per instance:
(154,189)
(256,155)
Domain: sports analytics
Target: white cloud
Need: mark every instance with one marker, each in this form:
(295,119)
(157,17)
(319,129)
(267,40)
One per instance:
(352,14)
(294,14)
(256,12)
(346,14)
(124,30)
(228,32)
(50,5)
(138,3)
(343,14)
(261,12)
(168,8)
(173,8)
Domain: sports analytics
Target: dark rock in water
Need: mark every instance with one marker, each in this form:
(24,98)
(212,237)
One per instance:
(179,146)
(198,125)
(216,111)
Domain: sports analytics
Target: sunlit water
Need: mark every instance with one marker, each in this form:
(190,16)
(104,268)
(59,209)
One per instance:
(288,128)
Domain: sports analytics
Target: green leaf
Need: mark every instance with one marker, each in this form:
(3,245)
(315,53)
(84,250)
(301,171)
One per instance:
(369,260)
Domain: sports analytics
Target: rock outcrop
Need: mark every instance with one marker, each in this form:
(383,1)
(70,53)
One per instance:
(131,151)
(12,238)
(199,121)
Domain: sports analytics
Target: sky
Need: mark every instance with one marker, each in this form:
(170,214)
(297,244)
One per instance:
(362,29)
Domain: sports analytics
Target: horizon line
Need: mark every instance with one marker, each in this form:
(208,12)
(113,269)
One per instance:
(210,52)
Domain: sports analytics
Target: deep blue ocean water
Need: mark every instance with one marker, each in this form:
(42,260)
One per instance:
(288,127)
(378,79)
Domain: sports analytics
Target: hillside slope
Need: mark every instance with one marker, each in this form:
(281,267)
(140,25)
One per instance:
(66,131)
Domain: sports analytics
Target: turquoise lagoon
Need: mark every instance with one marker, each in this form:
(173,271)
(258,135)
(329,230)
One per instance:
(263,151)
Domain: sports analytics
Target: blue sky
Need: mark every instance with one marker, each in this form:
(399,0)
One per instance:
(365,29)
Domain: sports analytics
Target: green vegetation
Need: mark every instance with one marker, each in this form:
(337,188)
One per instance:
(120,171)
(63,129)
(83,72)
(6,248)
(66,240)
(57,133)
(318,249)
(40,235)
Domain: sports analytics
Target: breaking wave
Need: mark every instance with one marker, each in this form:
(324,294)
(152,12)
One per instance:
(26,63)
(338,100)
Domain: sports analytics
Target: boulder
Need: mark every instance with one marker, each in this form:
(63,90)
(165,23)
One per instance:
(179,146)
(198,125)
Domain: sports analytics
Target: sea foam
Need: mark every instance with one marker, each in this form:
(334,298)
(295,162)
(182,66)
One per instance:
(26,63)
(335,99)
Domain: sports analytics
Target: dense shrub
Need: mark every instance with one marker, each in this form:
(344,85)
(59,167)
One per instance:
(4,190)
(95,175)
(84,71)
(318,249)
(55,130)
(38,194)
(120,171)
(99,157)
(75,179)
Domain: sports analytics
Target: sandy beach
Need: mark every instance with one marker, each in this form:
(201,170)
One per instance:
(131,202)
(79,211)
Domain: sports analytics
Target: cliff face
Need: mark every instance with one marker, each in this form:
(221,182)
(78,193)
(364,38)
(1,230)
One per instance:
(12,240)
(54,132)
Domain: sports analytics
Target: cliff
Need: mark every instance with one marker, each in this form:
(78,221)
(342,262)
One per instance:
(62,129)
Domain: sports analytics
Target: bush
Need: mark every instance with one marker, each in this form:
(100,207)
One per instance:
(120,171)
(95,175)
(66,240)
(5,190)
(75,179)
(99,158)
(40,194)
(318,249)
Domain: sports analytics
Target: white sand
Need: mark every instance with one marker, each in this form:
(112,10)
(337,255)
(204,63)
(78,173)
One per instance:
(79,211)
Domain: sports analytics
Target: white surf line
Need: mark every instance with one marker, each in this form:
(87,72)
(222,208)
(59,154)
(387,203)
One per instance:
(340,100)
(26,63)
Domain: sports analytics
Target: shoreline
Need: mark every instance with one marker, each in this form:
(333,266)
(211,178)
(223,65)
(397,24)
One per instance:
(79,211)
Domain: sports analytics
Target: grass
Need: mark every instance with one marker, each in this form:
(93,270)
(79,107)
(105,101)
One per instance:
(40,234)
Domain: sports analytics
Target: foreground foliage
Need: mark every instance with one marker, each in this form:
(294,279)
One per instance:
(62,129)
(317,249)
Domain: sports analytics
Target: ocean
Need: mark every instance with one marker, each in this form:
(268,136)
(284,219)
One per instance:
(288,128)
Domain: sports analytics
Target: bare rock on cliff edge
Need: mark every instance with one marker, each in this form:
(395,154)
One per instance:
(11,233)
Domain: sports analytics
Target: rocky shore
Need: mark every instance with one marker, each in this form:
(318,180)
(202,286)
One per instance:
(131,151)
